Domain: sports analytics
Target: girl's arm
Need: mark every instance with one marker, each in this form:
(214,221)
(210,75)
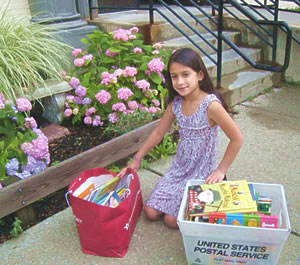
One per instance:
(153,139)
(218,115)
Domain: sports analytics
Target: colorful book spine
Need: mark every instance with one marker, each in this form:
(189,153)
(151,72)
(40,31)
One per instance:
(251,220)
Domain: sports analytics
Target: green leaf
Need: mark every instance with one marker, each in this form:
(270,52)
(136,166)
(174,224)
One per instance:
(114,49)
(155,77)
(108,60)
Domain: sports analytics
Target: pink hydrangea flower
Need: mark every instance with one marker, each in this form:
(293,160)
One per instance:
(80,91)
(68,112)
(137,50)
(90,111)
(155,52)
(143,84)
(129,71)
(148,73)
(110,54)
(156,102)
(2,101)
(121,34)
(88,57)
(78,62)
(163,80)
(118,72)
(30,122)
(124,93)
(119,107)
(133,105)
(134,30)
(103,96)
(23,104)
(104,75)
(113,117)
(76,51)
(87,120)
(97,121)
(152,109)
(156,65)
(108,78)
(74,82)
(132,37)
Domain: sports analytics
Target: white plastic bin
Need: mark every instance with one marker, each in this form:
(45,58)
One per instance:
(207,243)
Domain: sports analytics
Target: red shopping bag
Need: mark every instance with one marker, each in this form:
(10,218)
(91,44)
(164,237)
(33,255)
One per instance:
(105,231)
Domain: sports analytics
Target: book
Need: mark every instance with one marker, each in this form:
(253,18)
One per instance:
(95,180)
(227,196)
(105,188)
(240,219)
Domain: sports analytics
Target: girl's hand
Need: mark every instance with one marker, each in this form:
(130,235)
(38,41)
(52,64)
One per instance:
(215,176)
(135,165)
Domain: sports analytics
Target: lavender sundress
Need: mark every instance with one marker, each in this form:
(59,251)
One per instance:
(196,157)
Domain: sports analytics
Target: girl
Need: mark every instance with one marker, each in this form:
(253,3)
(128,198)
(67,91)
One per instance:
(199,111)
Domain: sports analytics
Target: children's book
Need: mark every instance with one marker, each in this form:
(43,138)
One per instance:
(227,196)
(95,180)
(105,188)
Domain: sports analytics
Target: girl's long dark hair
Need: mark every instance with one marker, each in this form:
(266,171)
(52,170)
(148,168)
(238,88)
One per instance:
(192,59)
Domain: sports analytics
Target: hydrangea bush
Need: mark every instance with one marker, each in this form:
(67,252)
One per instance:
(23,147)
(116,75)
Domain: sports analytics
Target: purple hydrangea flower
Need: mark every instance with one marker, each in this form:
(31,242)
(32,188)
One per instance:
(80,91)
(86,101)
(77,100)
(12,167)
(74,82)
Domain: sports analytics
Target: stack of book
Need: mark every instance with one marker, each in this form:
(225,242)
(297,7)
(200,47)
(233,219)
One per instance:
(105,190)
(229,202)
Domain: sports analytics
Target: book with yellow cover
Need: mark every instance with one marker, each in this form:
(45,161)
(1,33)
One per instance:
(227,196)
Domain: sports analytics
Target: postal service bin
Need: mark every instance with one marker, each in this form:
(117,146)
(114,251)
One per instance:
(207,243)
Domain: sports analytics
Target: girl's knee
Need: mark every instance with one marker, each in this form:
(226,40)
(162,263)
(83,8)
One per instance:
(151,213)
(171,221)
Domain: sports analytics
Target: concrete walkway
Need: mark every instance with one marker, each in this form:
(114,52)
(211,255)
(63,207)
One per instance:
(270,154)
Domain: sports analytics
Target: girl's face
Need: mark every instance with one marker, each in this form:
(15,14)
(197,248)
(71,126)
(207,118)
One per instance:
(185,79)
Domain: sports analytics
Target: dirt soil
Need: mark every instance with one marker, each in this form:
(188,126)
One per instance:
(80,139)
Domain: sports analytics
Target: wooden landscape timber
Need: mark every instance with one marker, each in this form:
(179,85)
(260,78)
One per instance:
(24,192)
